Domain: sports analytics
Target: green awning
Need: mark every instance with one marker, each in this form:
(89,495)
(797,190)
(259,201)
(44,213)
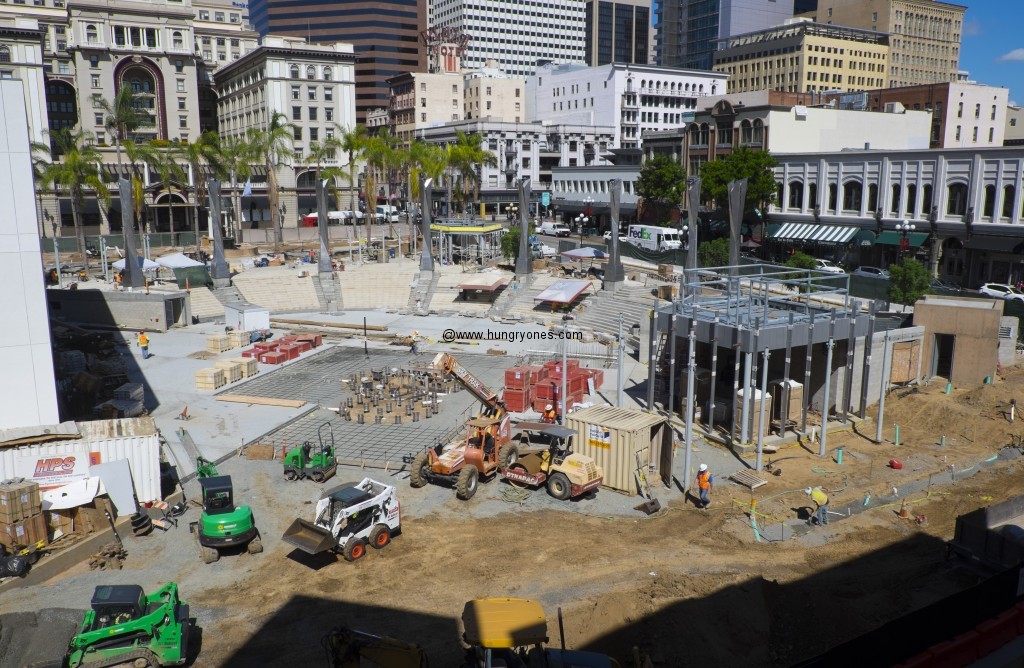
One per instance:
(892,238)
(864,238)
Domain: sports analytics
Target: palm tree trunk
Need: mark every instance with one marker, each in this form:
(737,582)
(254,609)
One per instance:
(79,230)
(195,220)
(275,214)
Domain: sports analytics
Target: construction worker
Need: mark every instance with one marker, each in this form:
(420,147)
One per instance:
(705,481)
(549,414)
(143,341)
(820,499)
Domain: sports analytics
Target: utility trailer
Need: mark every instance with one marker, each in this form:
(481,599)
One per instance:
(348,518)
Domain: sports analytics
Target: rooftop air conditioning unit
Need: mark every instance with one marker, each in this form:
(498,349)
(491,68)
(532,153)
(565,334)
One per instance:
(894,108)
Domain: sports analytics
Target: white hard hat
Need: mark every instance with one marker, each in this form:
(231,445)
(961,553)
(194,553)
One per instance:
(808,490)
(703,467)
(548,407)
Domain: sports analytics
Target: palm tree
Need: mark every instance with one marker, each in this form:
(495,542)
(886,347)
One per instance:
(76,172)
(275,145)
(234,157)
(467,156)
(165,161)
(138,156)
(319,154)
(352,142)
(431,161)
(124,115)
(205,149)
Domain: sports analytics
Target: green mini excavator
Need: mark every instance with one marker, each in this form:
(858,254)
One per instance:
(222,523)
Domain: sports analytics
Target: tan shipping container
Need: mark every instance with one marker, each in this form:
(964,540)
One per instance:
(614,437)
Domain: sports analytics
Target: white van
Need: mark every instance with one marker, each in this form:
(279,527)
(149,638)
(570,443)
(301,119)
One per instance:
(387,213)
(554,229)
(654,238)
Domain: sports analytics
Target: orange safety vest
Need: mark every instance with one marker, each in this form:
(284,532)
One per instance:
(704,479)
(143,340)
(550,415)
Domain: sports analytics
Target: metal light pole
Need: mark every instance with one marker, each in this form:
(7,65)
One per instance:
(905,228)
(691,369)
(565,358)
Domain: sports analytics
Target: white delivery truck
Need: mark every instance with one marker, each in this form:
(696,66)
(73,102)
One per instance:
(387,213)
(654,238)
(554,229)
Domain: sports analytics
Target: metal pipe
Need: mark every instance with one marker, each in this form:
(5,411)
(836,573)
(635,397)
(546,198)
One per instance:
(735,382)
(851,349)
(652,362)
(866,375)
(764,395)
(786,389)
(745,414)
(881,397)
(714,375)
(621,381)
(672,369)
(824,411)
(807,378)
(688,433)
(565,369)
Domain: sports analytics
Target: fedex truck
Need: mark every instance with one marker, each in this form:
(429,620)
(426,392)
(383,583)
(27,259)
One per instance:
(654,238)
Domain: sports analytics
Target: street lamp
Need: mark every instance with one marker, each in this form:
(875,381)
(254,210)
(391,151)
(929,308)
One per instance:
(686,237)
(581,221)
(511,210)
(905,228)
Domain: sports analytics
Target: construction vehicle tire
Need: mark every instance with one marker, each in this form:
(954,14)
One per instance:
(419,470)
(469,479)
(508,455)
(380,536)
(290,474)
(317,476)
(354,549)
(255,545)
(559,487)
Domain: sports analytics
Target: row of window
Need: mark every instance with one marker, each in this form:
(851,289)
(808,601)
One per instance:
(204,15)
(312,113)
(584,187)
(326,73)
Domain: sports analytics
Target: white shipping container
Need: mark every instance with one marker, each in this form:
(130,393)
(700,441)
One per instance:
(141,451)
(246,317)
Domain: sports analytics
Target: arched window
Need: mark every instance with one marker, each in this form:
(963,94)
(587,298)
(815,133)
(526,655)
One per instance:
(912,200)
(704,133)
(833,189)
(177,40)
(956,194)
(702,88)
(327,74)
(294,71)
(758,136)
(853,192)
(812,195)
(894,208)
(746,132)
(311,72)
(687,88)
(873,197)
(796,195)
(643,84)
(5,54)
(926,199)
(1008,194)
(990,201)
(91,34)
(694,134)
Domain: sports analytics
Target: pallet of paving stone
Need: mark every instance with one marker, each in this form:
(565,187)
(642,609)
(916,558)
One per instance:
(248,364)
(218,343)
(239,339)
(232,369)
(210,379)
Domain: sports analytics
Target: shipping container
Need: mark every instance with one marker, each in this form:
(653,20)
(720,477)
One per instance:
(615,436)
(102,441)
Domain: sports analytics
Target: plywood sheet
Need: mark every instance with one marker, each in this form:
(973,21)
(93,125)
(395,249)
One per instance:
(262,401)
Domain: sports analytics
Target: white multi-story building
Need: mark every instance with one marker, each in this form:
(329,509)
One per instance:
(630,98)
(21,57)
(516,33)
(490,93)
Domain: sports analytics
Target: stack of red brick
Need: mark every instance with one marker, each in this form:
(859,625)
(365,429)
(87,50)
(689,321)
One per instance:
(537,386)
(283,349)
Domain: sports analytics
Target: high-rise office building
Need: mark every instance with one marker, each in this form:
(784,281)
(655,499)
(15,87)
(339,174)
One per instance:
(924,44)
(688,31)
(618,32)
(515,33)
(386,37)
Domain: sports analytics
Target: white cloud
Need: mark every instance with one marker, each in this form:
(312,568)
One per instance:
(972,28)
(1017,55)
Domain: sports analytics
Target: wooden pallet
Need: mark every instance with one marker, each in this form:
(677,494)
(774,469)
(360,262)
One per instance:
(747,479)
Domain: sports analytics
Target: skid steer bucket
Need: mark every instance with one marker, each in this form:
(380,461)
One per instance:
(308,537)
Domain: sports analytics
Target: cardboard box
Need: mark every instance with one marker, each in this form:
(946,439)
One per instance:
(19,500)
(210,379)
(65,521)
(90,518)
(23,533)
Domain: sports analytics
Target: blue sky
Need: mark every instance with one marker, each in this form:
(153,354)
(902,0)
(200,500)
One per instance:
(992,48)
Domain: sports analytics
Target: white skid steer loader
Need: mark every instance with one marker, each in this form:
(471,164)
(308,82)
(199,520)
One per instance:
(348,518)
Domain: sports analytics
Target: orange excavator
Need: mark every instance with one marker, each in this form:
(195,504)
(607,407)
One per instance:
(484,449)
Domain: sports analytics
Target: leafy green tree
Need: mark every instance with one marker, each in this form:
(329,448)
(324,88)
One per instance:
(755,166)
(510,243)
(661,185)
(466,156)
(908,281)
(713,253)
(800,260)
(77,171)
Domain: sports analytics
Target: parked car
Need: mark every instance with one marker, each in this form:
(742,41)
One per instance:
(938,284)
(608,236)
(1001,290)
(539,250)
(829,266)
(871,272)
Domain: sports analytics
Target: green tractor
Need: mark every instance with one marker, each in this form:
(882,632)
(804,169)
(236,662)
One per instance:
(223,524)
(127,627)
(316,462)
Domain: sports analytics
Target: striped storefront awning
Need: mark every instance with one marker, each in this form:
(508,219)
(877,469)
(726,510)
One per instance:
(825,234)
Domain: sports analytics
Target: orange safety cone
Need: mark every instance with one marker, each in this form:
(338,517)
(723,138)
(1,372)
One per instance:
(187,289)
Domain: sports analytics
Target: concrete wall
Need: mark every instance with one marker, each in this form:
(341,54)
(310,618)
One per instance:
(130,310)
(28,396)
(1009,328)
(975,324)
(838,129)
(878,346)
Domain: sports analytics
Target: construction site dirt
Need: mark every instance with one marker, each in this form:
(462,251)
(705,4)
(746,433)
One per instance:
(685,585)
